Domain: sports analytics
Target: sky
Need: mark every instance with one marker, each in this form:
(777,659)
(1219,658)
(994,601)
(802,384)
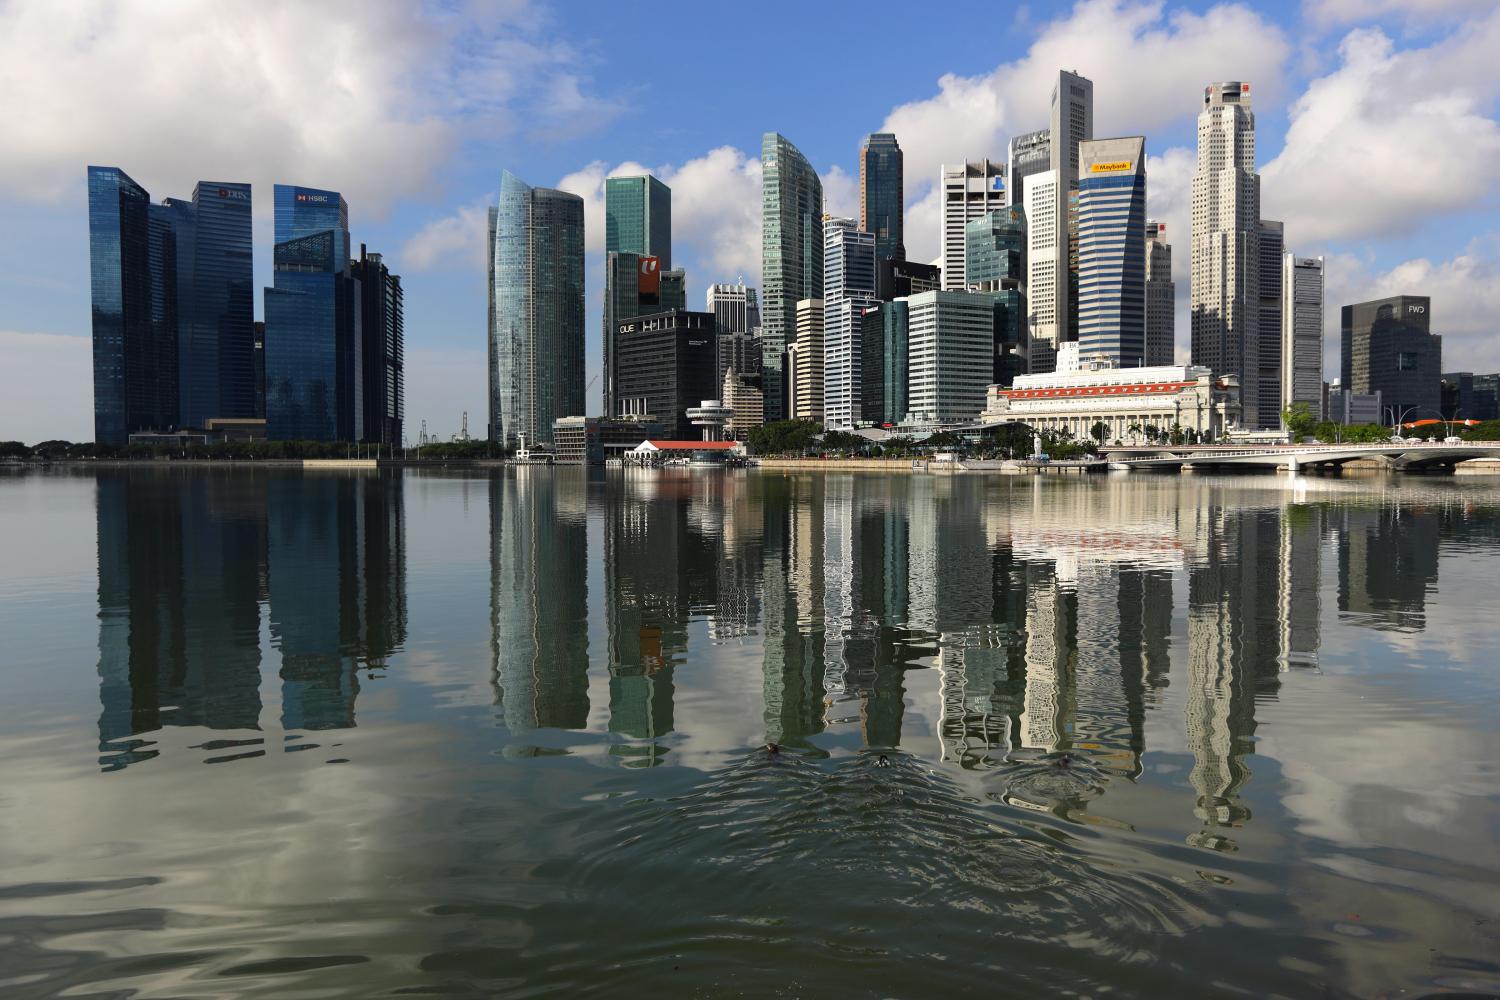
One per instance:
(1376,121)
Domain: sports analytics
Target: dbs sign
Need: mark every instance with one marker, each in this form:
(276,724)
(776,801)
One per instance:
(649,281)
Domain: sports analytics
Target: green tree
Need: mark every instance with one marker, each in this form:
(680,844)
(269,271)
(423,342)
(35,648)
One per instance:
(1098,431)
(782,437)
(1299,420)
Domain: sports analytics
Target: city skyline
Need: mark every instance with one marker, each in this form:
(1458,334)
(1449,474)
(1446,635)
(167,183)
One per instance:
(1445,257)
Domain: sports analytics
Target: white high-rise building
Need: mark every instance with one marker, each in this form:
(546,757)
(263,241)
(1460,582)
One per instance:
(735,307)
(969,190)
(848,290)
(1302,332)
(951,338)
(805,363)
(1072,123)
(1161,297)
(1226,243)
(1043,254)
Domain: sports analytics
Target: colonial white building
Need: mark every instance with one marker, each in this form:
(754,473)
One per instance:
(1164,397)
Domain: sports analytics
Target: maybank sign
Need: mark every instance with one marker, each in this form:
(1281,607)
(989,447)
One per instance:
(1110,168)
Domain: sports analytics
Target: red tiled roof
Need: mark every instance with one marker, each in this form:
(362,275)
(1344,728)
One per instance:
(692,445)
(1096,390)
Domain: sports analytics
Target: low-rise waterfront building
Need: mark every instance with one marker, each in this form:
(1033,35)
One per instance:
(1128,401)
(593,440)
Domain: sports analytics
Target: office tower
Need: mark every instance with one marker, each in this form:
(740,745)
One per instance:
(135,346)
(1044,297)
(995,260)
(881,202)
(216,345)
(667,363)
(805,363)
(638,223)
(1161,297)
(737,318)
(634,285)
(1301,377)
(1387,348)
(260,370)
(1029,153)
(314,388)
(848,290)
(638,217)
(1226,243)
(491,431)
(1466,396)
(745,401)
(1268,321)
(791,260)
(1486,397)
(382,341)
(537,374)
(883,367)
(1112,252)
(896,279)
(951,352)
(969,190)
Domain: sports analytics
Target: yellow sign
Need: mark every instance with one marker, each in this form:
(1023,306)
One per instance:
(1110,168)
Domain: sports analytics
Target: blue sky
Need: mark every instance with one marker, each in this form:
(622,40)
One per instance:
(1376,120)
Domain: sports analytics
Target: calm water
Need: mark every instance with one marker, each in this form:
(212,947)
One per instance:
(281,735)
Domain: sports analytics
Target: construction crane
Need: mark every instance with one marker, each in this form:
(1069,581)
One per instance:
(591,383)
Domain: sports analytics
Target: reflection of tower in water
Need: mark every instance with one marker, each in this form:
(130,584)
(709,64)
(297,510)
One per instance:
(181,576)
(793,599)
(539,598)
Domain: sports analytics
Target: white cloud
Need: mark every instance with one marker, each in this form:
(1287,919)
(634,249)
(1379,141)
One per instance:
(367,98)
(1389,140)
(48,387)
(1337,12)
(460,236)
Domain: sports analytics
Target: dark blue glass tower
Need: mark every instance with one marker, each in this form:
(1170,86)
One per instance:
(135,385)
(313,384)
(382,349)
(216,336)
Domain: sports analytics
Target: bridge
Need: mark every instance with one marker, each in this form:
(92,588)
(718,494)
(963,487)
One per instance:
(1424,455)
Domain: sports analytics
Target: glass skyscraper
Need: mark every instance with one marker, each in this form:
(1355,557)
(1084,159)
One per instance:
(217,340)
(382,347)
(791,258)
(135,385)
(638,217)
(1112,251)
(881,175)
(537,334)
(995,265)
(314,389)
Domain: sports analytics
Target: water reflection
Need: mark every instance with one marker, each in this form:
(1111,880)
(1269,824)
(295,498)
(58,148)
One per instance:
(188,562)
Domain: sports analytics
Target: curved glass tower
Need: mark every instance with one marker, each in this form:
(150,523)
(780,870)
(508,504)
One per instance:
(536,332)
(791,259)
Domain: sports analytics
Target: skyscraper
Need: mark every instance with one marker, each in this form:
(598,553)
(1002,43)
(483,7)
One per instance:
(537,337)
(791,254)
(883,367)
(1302,332)
(1387,347)
(1112,251)
(216,343)
(634,285)
(996,266)
(881,208)
(666,365)
(1268,322)
(638,217)
(1029,153)
(314,388)
(848,290)
(382,349)
(805,372)
(951,351)
(1161,297)
(969,190)
(638,224)
(1046,262)
(1226,243)
(737,318)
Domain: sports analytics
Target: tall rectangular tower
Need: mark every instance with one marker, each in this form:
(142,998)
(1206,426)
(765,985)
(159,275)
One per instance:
(382,339)
(1226,243)
(1268,320)
(1388,347)
(969,190)
(1030,153)
(848,290)
(1112,252)
(881,212)
(791,258)
(1046,260)
(1302,332)
(1072,123)
(217,341)
(1161,297)
(638,217)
